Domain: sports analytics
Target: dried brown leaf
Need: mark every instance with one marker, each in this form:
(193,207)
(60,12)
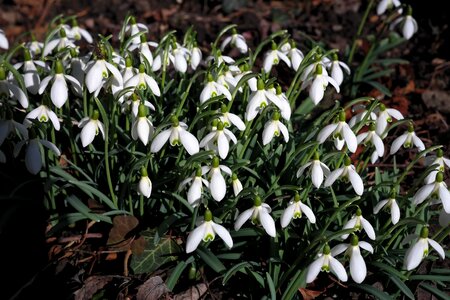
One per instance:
(122,226)
(154,288)
(193,293)
(309,294)
(91,286)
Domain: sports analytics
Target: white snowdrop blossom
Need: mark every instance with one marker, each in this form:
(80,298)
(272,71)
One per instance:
(97,72)
(438,160)
(384,5)
(407,140)
(283,103)
(77,33)
(336,69)
(145,184)
(341,133)
(177,134)
(4,44)
(133,104)
(273,57)
(407,23)
(179,56)
(219,140)
(145,53)
(43,113)
(348,171)
(295,210)
(326,262)
(207,231)
(142,127)
(420,249)
(390,203)
(358,222)
(362,114)
(273,128)
(33,152)
(217,184)
(220,59)
(129,71)
(91,126)
(133,29)
(235,40)
(213,89)
(259,214)
(59,43)
(8,126)
(237,185)
(196,57)
(229,119)
(371,137)
(310,70)
(294,54)
(59,92)
(34,47)
(318,83)
(358,269)
(244,70)
(11,89)
(437,190)
(142,81)
(196,189)
(384,117)
(30,73)
(318,170)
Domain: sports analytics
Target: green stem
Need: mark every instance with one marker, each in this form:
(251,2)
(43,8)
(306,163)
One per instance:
(359,32)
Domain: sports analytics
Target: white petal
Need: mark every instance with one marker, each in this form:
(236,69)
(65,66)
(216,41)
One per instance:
(76,85)
(44,84)
(267,222)
(418,143)
(153,85)
(159,141)
(379,206)
(51,146)
(333,176)
(338,249)
(308,213)
(437,247)
(19,95)
(242,218)
(223,233)
(94,77)
(358,269)
(368,228)
(316,175)
(189,142)
(268,132)
(398,142)
(225,42)
(54,119)
(316,91)
(338,269)
(223,146)
(356,181)
(194,238)
(116,74)
(325,132)
(395,113)
(378,143)
(284,131)
(314,269)
(287,215)
(59,93)
(236,121)
(415,254)
(350,138)
(361,137)
(444,195)
(302,169)
(366,246)
(217,186)
(423,193)
(88,133)
(143,130)
(395,212)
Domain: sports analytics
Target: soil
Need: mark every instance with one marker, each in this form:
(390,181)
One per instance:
(420,89)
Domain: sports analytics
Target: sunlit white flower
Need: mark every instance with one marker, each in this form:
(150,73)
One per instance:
(43,113)
(217,184)
(176,135)
(4,44)
(58,43)
(358,269)
(229,119)
(196,189)
(34,47)
(385,115)
(237,185)
(196,57)
(143,81)
(318,170)
(310,70)
(419,250)
(206,231)
(227,79)
(219,59)
(384,5)
(326,262)
(59,92)
(145,53)
(133,103)
(295,210)
(145,184)
(362,113)
(91,127)
(273,128)
(283,103)
(76,33)
(407,140)
(348,171)
(133,29)
(9,125)
(235,40)
(358,222)
(33,152)
(294,54)
(213,89)
(259,214)
(436,190)
(219,140)
(179,57)
(252,82)
(407,23)
(371,137)
(273,58)
(97,72)
(390,203)
(438,160)
(336,67)
(30,73)
(142,127)
(9,88)
(318,84)
(340,131)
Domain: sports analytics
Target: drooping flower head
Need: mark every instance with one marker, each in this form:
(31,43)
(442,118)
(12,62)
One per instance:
(259,214)
(326,262)
(295,210)
(419,250)
(145,184)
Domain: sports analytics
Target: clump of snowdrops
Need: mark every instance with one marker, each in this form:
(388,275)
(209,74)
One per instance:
(255,179)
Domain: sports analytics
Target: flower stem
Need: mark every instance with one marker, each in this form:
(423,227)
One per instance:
(359,32)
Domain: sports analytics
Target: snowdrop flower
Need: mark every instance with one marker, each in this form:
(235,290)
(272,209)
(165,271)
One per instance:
(259,214)
(30,73)
(142,127)
(4,44)
(144,50)
(244,70)
(196,189)
(318,170)
(217,184)
(384,5)
(91,126)
(273,58)
(407,23)
(77,33)
(390,203)
(218,140)
(43,113)
(273,128)
(358,269)
(8,126)
(58,43)
(295,210)
(196,57)
(176,135)
(134,29)
(145,185)
(178,56)
(129,71)
(143,81)
(361,115)
(227,79)
(134,102)
(326,262)
(385,115)
(406,140)
(220,59)
(437,190)
(235,40)
(371,137)
(438,160)
(336,67)
(33,157)
(213,89)
(348,172)
(97,72)
(11,90)
(318,84)
(358,222)
(59,92)
(229,119)
(283,104)
(237,185)
(260,99)
(310,70)
(295,55)
(207,231)
(340,131)
(419,249)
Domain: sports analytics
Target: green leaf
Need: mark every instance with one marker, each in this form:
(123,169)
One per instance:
(430,277)
(388,269)
(381,87)
(273,294)
(85,211)
(233,271)
(176,273)
(401,285)
(435,291)
(372,290)
(154,256)
(210,259)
